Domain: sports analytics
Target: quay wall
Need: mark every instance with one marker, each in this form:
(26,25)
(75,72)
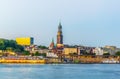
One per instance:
(42,61)
(83,59)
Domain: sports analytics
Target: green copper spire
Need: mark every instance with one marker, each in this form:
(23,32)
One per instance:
(53,40)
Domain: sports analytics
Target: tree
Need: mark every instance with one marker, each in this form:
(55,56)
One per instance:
(9,48)
(118,53)
(43,54)
(106,54)
(2,44)
(37,54)
(19,48)
(76,61)
(10,45)
(26,53)
(43,47)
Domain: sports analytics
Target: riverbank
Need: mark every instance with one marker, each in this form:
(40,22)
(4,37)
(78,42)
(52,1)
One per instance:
(61,60)
(24,61)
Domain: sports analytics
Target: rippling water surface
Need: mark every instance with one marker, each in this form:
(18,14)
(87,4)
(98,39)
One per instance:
(74,71)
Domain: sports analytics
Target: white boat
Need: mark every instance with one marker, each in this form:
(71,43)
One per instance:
(110,61)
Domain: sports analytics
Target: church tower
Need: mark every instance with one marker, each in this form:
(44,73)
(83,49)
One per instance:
(58,48)
(59,35)
(52,45)
(60,44)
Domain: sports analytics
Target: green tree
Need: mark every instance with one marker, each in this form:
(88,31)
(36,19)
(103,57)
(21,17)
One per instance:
(76,61)
(26,53)
(43,54)
(43,47)
(106,54)
(10,45)
(9,48)
(2,44)
(118,53)
(37,54)
(19,48)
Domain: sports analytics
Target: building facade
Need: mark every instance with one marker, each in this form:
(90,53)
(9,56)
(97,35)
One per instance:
(98,51)
(68,51)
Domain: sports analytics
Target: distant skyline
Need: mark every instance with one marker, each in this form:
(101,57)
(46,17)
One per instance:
(84,22)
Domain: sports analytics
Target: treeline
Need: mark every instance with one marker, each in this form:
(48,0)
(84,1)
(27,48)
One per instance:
(42,47)
(10,45)
(27,53)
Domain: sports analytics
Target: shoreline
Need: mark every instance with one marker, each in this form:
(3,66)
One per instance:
(53,63)
(64,60)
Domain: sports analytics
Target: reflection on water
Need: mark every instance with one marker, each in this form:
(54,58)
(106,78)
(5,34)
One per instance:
(78,71)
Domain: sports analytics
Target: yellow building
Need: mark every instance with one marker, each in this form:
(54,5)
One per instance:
(25,41)
(111,47)
(68,51)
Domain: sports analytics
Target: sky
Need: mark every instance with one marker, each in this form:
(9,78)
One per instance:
(84,22)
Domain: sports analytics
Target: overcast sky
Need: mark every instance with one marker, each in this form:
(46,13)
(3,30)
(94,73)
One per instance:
(85,22)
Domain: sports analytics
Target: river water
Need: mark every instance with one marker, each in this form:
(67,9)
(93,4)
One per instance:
(66,71)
